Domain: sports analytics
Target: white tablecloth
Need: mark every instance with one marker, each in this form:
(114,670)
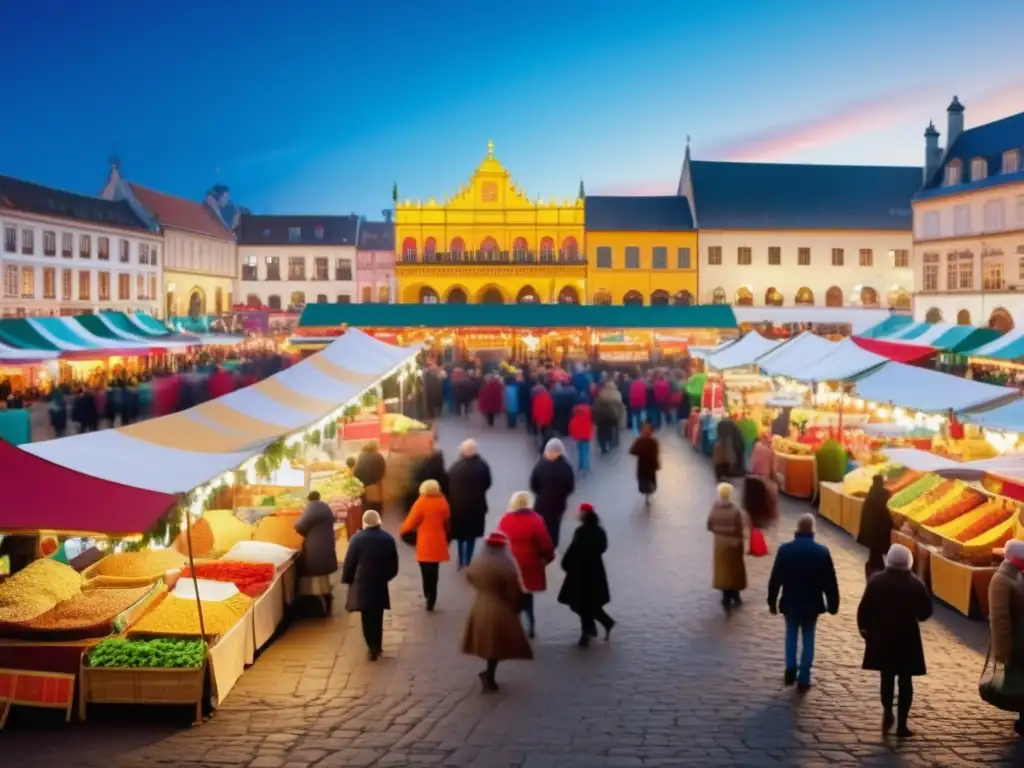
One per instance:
(229,656)
(268,609)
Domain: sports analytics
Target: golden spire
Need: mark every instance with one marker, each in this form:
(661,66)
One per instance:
(490,150)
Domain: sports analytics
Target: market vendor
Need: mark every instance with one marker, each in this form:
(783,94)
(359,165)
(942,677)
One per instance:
(319,558)
(369,470)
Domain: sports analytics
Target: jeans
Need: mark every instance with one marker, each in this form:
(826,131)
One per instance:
(906,695)
(803,626)
(526,606)
(465,548)
(583,454)
(373,629)
(429,573)
(512,419)
(636,419)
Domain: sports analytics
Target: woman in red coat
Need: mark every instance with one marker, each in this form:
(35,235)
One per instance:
(542,408)
(530,546)
(491,394)
(581,429)
(638,402)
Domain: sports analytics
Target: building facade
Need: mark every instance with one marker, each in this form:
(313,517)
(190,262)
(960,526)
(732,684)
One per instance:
(969,223)
(807,235)
(375,262)
(200,262)
(640,250)
(290,261)
(68,254)
(490,243)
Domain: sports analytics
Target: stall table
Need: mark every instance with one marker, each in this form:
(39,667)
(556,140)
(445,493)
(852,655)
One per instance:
(831,502)
(795,475)
(853,507)
(960,585)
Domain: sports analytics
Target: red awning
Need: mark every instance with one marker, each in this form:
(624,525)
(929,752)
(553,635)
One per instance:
(897,350)
(41,495)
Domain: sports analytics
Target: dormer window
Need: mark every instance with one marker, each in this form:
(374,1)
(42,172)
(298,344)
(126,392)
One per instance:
(953,173)
(1011,161)
(979,168)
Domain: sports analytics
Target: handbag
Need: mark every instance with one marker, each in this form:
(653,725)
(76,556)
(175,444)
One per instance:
(758,545)
(1003,688)
(409,537)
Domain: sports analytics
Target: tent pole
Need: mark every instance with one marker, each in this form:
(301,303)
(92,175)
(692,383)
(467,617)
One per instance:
(192,570)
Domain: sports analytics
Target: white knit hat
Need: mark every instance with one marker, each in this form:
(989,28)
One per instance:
(1014,548)
(899,557)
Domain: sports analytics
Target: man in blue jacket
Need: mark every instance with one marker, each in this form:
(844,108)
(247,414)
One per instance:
(804,572)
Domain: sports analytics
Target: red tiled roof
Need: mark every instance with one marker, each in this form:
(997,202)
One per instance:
(179,213)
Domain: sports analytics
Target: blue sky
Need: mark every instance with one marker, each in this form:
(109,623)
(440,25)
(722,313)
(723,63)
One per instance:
(319,106)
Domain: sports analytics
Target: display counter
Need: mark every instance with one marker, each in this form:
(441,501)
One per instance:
(830,498)
(961,586)
(268,609)
(229,656)
(795,475)
(853,507)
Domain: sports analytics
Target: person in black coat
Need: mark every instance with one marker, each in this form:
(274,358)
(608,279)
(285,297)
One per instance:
(888,617)
(129,405)
(430,468)
(469,479)
(58,412)
(370,563)
(585,589)
(564,399)
(875,526)
(552,483)
(85,412)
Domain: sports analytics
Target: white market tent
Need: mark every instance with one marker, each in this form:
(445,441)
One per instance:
(997,345)
(181,451)
(14,355)
(743,352)
(845,360)
(858,318)
(790,359)
(922,461)
(926,390)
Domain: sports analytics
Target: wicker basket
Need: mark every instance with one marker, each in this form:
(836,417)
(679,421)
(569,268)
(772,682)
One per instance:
(166,687)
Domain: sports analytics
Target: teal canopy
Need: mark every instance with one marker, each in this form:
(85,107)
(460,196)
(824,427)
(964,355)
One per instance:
(888,327)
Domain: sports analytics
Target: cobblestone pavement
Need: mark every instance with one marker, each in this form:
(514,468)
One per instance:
(679,683)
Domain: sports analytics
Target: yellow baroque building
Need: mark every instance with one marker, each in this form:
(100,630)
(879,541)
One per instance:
(490,244)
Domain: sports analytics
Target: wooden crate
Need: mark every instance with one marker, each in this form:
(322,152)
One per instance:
(162,687)
(831,504)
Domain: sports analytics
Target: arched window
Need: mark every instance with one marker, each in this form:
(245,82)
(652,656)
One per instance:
(718,296)
(899,298)
(602,298)
(834,297)
(430,249)
(409,249)
(428,295)
(252,300)
(868,296)
(933,315)
(633,297)
(457,248)
(547,248)
(1001,320)
(527,295)
(321,298)
(195,305)
(682,299)
(274,301)
(489,249)
(297,299)
(218,300)
(568,295)
(570,249)
(519,249)
(491,295)
(457,296)
(805,297)
(963,317)
(659,299)
(744,297)
(773,297)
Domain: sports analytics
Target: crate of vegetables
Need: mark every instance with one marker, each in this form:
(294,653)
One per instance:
(169,672)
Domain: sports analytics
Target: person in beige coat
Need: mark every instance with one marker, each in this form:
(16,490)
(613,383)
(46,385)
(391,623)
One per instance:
(493,630)
(725,521)
(1006,619)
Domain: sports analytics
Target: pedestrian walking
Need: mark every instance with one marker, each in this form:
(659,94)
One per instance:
(430,467)
(512,405)
(370,470)
(608,414)
(585,588)
(895,601)
(637,402)
(875,526)
(552,483)
(58,412)
(648,462)
(725,521)
(532,548)
(429,521)
(662,391)
(761,503)
(805,575)
(469,479)
(370,563)
(581,429)
(1005,688)
(492,630)
(543,409)
(319,559)
(491,395)
(762,458)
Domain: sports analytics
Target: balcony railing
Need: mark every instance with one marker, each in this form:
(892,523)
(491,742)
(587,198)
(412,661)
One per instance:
(494,257)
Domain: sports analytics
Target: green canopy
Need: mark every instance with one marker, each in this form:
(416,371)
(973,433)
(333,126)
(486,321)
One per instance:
(17,332)
(887,327)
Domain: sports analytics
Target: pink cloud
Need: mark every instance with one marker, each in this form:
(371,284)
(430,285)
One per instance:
(636,188)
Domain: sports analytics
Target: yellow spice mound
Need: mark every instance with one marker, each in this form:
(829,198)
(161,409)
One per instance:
(180,616)
(227,529)
(278,530)
(90,608)
(36,589)
(150,563)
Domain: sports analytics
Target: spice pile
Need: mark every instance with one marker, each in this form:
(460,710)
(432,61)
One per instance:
(180,616)
(227,529)
(278,530)
(153,654)
(138,568)
(201,539)
(252,579)
(36,589)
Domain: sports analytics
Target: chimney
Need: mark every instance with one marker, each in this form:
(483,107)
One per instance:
(932,153)
(955,114)
(386,213)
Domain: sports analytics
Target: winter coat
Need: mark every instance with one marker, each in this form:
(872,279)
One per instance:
(316,525)
(490,397)
(370,563)
(581,425)
(728,454)
(888,617)
(430,517)
(760,501)
(725,521)
(1006,615)
(637,394)
(662,393)
(469,479)
(530,545)
(762,459)
(581,381)
(647,460)
(608,407)
(585,588)
(493,630)
(552,482)
(512,397)
(564,400)
(430,468)
(370,469)
(542,407)
(803,571)
(875,521)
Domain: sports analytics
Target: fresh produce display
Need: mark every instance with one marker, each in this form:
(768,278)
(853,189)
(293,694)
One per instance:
(902,478)
(180,616)
(994,537)
(36,589)
(338,484)
(831,461)
(858,482)
(91,613)
(147,565)
(749,431)
(252,579)
(398,424)
(791,447)
(913,491)
(227,529)
(993,517)
(259,552)
(953,529)
(278,530)
(152,654)
(200,538)
(940,514)
(931,497)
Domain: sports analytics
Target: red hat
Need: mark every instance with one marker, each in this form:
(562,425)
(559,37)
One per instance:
(496,539)
(587,508)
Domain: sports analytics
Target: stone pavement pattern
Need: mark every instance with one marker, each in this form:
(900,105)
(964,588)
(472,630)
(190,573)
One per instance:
(679,683)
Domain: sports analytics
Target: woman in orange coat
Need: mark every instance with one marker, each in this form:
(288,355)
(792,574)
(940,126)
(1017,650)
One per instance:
(429,521)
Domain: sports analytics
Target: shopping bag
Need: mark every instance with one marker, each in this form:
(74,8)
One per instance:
(1001,685)
(758,545)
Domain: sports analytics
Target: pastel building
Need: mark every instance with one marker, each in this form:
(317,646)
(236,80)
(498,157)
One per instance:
(375,263)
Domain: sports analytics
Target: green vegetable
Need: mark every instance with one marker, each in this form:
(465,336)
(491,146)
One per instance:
(914,491)
(159,653)
(831,461)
